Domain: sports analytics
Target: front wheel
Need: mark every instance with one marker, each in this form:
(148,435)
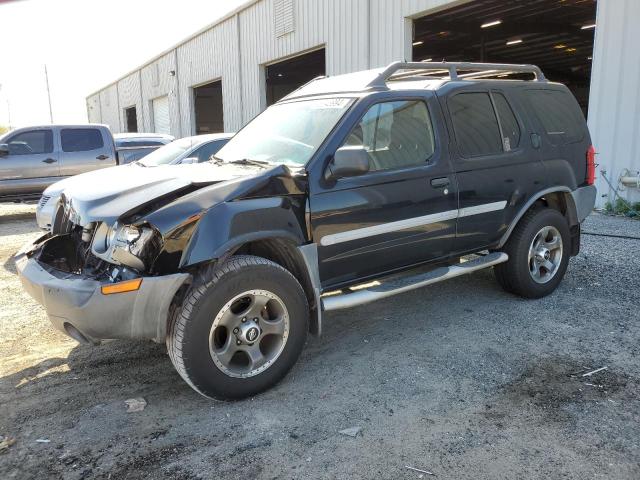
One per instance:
(538,252)
(242,327)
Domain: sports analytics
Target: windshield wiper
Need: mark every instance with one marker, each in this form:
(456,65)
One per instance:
(248,161)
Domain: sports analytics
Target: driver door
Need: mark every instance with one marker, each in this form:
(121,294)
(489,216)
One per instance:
(32,162)
(403,211)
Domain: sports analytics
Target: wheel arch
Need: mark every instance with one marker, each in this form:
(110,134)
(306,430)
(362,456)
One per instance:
(299,260)
(558,198)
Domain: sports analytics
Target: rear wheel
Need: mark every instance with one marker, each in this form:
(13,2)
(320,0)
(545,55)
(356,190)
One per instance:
(538,252)
(241,328)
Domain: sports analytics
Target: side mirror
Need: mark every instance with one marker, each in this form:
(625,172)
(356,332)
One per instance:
(4,149)
(188,160)
(348,162)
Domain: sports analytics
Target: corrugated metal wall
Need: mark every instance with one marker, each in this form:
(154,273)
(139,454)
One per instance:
(157,81)
(357,34)
(360,34)
(614,102)
(129,95)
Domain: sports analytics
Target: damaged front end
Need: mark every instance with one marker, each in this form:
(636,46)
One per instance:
(94,282)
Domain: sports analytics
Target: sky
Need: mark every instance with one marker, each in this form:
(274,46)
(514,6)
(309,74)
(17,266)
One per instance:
(85,45)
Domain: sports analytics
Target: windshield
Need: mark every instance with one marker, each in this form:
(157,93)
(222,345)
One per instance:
(287,133)
(168,153)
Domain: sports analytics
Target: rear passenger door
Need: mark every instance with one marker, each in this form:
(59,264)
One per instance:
(402,212)
(85,149)
(496,166)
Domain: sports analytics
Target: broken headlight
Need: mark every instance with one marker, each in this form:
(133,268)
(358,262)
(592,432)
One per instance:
(127,245)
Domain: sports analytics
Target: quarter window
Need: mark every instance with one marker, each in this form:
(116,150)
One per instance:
(559,115)
(508,122)
(475,124)
(31,142)
(81,139)
(395,135)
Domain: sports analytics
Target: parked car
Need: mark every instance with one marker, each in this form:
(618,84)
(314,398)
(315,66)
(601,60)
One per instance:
(383,175)
(131,147)
(186,150)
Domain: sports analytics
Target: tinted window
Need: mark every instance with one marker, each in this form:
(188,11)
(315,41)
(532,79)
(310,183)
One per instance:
(31,142)
(395,134)
(559,115)
(81,139)
(508,122)
(133,154)
(204,153)
(475,124)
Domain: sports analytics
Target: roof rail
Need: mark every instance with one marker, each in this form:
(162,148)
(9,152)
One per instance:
(477,70)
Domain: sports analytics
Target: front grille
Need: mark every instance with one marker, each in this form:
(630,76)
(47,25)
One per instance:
(43,200)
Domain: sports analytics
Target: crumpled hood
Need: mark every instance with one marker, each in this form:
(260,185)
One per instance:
(107,194)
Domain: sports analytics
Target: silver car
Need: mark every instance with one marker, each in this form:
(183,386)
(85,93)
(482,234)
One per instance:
(187,150)
(33,158)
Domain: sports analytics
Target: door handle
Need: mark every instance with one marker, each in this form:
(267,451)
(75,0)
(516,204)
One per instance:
(49,160)
(440,182)
(102,157)
(535,140)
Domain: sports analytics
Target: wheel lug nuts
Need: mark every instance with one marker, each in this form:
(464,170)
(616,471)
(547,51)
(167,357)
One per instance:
(238,342)
(236,330)
(244,319)
(255,320)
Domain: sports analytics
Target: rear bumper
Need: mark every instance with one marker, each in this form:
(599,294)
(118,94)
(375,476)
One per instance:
(75,303)
(585,200)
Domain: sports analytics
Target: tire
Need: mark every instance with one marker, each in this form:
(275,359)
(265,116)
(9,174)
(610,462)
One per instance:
(518,275)
(202,333)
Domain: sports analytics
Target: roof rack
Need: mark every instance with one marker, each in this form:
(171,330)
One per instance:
(476,70)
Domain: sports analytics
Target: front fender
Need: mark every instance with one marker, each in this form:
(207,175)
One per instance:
(229,225)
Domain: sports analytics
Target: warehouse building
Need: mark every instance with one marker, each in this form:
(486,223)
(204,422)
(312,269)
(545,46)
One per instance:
(224,75)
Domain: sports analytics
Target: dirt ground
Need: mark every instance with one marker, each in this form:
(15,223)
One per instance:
(460,379)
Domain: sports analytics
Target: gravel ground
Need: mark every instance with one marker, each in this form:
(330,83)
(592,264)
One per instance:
(460,379)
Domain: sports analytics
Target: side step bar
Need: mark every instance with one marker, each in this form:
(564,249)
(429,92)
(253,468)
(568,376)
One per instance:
(405,284)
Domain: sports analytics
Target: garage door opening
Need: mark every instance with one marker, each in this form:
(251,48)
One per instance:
(556,36)
(132,119)
(284,77)
(207,100)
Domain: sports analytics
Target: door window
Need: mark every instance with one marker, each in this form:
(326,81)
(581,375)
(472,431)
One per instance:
(31,142)
(475,124)
(395,134)
(204,152)
(81,139)
(508,122)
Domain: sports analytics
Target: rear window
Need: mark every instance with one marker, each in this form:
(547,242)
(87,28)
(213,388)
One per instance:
(475,124)
(81,139)
(559,114)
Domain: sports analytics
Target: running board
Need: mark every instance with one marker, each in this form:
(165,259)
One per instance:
(405,284)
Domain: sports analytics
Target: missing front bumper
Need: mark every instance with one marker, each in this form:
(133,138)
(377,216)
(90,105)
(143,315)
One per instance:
(76,303)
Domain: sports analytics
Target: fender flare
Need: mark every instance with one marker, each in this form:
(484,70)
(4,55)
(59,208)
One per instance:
(572,212)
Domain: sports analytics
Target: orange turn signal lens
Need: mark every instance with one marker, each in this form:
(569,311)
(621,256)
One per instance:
(121,287)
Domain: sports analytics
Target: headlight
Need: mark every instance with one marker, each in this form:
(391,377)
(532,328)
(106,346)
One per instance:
(126,244)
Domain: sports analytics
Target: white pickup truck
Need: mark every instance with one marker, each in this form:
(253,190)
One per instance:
(33,158)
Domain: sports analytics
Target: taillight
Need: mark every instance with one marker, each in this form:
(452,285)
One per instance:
(591,165)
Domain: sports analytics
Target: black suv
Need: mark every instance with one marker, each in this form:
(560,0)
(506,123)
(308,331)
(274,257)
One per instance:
(406,175)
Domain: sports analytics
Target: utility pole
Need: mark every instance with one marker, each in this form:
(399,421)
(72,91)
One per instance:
(46,77)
